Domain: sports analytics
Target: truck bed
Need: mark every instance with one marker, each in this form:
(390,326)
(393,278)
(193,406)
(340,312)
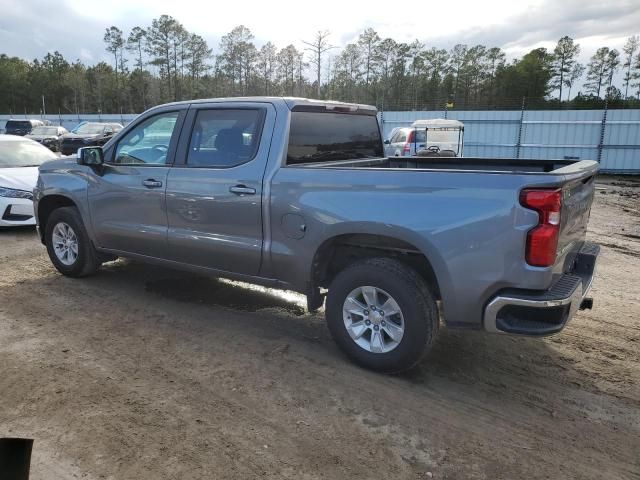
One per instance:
(507,165)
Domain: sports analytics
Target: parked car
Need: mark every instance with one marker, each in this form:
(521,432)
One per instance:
(404,142)
(432,137)
(297,194)
(50,137)
(19,162)
(88,134)
(21,127)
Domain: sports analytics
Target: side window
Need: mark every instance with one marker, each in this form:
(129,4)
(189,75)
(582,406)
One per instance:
(148,142)
(224,138)
(399,137)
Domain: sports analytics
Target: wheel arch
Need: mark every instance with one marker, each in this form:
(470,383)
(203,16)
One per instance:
(344,248)
(46,205)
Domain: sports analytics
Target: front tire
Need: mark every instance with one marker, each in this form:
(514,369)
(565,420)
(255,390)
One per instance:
(382,314)
(68,243)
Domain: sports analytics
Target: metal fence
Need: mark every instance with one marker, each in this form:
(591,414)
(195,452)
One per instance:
(610,136)
(70,121)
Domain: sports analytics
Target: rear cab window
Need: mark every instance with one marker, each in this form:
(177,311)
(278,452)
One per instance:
(316,137)
(18,125)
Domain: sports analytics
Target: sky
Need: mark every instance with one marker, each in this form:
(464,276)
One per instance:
(31,28)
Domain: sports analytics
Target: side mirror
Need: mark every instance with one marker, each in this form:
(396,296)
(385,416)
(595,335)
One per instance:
(91,156)
(387,142)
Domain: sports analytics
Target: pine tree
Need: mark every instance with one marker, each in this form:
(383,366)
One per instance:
(564,58)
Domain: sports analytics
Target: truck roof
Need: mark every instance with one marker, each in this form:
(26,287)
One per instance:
(293,103)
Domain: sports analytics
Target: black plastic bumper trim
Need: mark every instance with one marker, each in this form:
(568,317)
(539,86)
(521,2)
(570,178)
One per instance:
(523,312)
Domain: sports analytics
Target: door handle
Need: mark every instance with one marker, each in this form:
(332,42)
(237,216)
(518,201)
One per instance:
(242,190)
(152,183)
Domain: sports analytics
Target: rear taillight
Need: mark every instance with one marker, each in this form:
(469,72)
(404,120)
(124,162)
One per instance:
(407,146)
(542,240)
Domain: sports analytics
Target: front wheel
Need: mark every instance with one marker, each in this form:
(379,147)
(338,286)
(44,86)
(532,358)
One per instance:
(382,314)
(68,244)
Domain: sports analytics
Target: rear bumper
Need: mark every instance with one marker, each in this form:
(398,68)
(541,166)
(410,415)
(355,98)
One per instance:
(523,312)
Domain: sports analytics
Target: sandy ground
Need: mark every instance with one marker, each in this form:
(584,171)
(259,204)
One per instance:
(146,373)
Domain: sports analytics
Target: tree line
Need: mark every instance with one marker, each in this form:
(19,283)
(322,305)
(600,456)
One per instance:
(165,62)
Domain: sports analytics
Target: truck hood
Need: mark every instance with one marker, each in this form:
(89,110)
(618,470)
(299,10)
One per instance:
(80,136)
(40,137)
(63,163)
(19,178)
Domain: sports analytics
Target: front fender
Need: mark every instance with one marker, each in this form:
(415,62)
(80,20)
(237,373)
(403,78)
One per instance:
(64,178)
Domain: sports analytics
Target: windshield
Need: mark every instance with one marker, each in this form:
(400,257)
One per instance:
(89,128)
(321,137)
(23,153)
(45,131)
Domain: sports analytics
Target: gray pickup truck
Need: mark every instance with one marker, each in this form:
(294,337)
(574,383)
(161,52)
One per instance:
(297,194)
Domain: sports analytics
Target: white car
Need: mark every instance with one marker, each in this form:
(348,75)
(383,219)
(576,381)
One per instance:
(19,162)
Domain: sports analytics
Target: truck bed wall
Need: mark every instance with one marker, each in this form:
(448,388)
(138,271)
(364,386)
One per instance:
(507,165)
(470,226)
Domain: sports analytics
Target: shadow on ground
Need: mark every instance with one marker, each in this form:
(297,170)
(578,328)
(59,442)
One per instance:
(465,357)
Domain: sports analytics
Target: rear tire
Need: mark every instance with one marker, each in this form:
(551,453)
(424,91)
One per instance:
(388,341)
(68,244)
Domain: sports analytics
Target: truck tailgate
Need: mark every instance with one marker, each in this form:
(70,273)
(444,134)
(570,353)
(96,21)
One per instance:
(577,197)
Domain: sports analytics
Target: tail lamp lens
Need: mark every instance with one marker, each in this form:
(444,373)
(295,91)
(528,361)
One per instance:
(542,240)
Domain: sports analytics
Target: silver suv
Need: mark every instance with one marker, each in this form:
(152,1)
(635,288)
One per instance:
(405,142)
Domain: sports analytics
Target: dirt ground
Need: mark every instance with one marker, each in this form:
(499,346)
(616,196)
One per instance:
(146,373)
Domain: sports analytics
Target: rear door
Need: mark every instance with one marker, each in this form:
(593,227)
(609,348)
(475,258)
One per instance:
(214,190)
(397,144)
(127,195)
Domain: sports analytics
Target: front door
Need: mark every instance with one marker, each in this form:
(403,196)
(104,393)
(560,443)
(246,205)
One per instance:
(127,194)
(214,190)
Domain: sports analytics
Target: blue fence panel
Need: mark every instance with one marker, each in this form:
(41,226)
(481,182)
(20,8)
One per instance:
(621,150)
(545,134)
